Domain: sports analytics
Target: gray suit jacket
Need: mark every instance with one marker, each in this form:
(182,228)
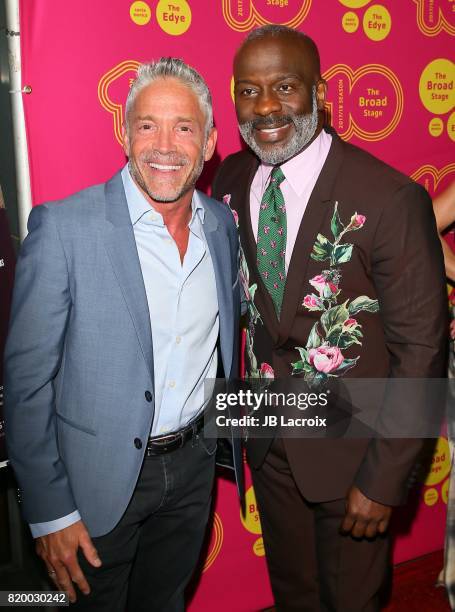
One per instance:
(79,361)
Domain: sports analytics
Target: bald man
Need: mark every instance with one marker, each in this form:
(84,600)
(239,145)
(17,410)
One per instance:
(343,273)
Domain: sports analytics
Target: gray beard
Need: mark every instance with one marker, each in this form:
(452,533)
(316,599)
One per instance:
(173,197)
(305,127)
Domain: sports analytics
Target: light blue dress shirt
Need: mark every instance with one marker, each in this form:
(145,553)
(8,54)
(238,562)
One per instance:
(183,307)
(184,318)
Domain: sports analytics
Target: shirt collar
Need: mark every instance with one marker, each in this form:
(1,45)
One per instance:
(302,164)
(141,210)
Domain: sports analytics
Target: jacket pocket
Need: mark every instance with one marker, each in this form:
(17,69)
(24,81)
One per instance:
(72,423)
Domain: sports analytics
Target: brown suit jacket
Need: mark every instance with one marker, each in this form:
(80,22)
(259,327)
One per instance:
(396,259)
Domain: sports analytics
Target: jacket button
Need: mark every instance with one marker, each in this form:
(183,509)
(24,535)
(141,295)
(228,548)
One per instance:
(148,396)
(137,443)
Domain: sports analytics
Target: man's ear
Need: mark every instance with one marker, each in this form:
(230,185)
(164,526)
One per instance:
(321,93)
(210,144)
(125,140)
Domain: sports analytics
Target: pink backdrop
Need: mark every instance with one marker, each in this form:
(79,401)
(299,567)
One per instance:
(391,92)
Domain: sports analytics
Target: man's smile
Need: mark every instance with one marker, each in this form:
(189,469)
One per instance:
(164,167)
(272,133)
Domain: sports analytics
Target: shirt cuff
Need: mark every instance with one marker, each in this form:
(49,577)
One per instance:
(42,529)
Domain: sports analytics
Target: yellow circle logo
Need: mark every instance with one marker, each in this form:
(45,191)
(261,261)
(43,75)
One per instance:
(436,86)
(174,18)
(243,15)
(445,491)
(377,22)
(251,520)
(430,497)
(355,3)
(435,127)
(258,547)
(440,463)
(451,126)
(350,22)
(140,13)
(379,97)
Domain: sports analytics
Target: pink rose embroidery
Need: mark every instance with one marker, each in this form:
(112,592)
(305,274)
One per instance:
(313,302)
(322,357)
(266,229)
(325,359)
(227,199)
(324,287)
(357,221)
(267,371)
(350,324)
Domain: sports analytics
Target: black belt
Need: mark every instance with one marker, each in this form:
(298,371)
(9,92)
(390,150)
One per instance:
(170,442)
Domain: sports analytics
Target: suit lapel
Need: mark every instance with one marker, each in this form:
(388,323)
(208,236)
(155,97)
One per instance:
(262,297)
(218,245)
(318,207)
(122,251)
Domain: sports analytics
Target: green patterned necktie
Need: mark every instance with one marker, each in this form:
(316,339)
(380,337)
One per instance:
(271,244)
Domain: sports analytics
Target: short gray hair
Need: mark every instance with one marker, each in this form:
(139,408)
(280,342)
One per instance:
(172,67)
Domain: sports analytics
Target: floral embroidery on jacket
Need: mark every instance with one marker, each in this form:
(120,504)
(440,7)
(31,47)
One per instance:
(337,328)
(265,371)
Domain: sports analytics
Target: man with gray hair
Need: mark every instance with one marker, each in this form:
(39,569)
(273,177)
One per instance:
(126,302)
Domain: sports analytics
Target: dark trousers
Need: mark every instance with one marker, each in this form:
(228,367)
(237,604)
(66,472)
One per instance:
(149,557)
(312,567)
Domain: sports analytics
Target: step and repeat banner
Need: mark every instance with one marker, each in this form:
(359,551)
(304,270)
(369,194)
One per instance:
(391,91)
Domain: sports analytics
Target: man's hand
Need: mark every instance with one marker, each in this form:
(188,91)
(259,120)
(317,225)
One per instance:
(364,517)
(58,550)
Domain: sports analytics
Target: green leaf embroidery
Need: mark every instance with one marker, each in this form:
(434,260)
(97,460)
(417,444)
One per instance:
(336,315)
(334,335)
(363,302)
(314,339)
(303,353)
(297,367)
(336,225)
(346,340)
(342,253)
(322,249)
(346,365)
(301,366)
(253,291)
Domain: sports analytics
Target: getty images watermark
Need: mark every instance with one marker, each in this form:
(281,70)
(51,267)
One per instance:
(251,402)
(346,408)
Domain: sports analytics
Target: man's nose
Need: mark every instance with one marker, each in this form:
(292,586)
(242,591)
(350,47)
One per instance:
(267,102)
(164,142)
